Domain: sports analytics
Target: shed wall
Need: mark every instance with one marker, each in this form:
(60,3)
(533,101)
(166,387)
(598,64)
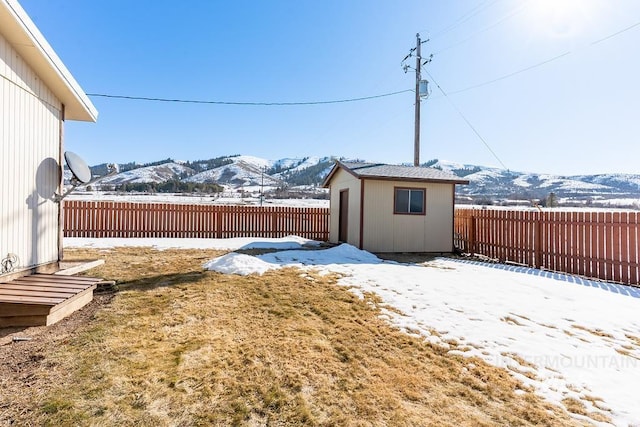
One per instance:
(385,231)
(345,181)
(30,125)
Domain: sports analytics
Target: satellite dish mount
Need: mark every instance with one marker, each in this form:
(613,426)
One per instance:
(81,173)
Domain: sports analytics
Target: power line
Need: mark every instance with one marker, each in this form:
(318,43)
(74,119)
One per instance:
(616,33)
(506,76)
(637,24)
(365,98)
(546,61)
(262,104)
(486,144)
(513,13)
(465,17)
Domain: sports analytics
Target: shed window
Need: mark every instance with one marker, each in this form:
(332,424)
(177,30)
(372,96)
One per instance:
(409,201)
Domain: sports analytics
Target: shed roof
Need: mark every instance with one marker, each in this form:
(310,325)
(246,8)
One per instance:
(394,173)
(28,41)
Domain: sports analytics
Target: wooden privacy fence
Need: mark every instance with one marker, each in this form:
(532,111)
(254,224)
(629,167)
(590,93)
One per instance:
(125,219)
(602,245)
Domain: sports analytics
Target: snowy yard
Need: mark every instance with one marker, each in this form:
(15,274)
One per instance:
(567,338)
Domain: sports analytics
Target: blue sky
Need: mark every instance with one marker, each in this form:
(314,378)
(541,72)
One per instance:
(576,114)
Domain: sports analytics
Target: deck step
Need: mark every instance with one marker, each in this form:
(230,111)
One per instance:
(43,299)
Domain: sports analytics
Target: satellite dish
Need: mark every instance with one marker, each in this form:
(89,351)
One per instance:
(81,173)
(78,167)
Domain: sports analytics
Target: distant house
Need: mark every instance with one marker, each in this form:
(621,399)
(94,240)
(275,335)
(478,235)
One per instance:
(389,208)
(37,95)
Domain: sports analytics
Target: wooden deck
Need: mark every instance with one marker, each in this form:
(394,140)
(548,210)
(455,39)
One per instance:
(43,299)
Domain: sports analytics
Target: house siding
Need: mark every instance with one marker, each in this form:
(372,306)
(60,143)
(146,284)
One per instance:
(345,181)
(30,126)
(384,231)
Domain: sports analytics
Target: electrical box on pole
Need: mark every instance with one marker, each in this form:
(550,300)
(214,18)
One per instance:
(424,88)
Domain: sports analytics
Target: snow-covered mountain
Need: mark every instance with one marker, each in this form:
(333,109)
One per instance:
(485,183)
(229,171)
(497,184)
(148,174)
(254,171)
(244,171)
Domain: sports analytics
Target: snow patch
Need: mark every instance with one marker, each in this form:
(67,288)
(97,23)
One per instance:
(241,264)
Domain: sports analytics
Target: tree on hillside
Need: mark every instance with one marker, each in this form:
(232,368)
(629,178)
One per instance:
(203,165)
(313,175)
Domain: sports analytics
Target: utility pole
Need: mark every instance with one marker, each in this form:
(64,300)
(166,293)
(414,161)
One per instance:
(419,95)
(262,170)
(416,136)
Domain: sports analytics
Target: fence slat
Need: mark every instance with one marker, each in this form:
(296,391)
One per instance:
(634,239)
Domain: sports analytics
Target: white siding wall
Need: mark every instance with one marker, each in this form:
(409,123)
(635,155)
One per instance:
(386,232)
(29,162)
(342,181)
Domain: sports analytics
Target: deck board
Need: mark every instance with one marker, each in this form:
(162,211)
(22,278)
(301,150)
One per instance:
(36,285)
(55,278)
(43,299)
(56,288)
(29,299)
(34,293)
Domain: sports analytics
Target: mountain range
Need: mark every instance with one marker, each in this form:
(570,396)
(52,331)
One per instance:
(486,184)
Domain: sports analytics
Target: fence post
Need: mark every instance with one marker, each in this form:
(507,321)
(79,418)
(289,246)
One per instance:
(537,242)
(472,233)
(218,223)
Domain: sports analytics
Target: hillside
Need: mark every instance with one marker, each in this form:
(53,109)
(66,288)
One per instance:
(486,184)
(501,185)
(156,174)
(232,172)
(242,171)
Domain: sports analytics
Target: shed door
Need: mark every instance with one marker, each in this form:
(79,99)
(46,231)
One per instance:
(344,215)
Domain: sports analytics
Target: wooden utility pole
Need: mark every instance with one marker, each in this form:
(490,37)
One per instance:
(419,83)
(416,139)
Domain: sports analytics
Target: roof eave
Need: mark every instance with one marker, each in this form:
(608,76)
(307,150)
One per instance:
(407,179)
(28,41)
(338,165)
(327,179)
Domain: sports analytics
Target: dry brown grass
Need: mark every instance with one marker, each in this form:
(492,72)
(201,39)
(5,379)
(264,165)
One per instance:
(512,320)
(596,332)
(546,325)
(626,352)
(521,361)
(179,346)
(634,339)
(577,407)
